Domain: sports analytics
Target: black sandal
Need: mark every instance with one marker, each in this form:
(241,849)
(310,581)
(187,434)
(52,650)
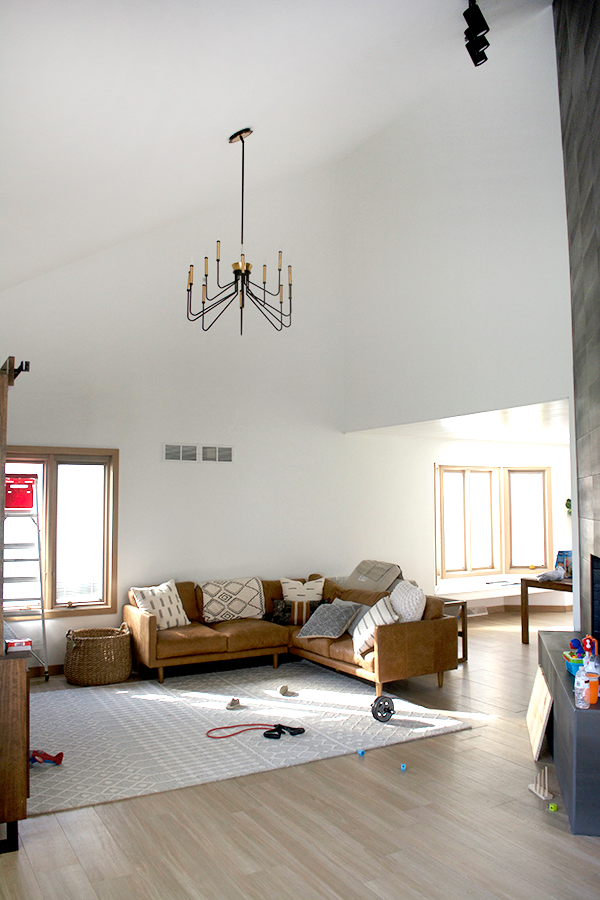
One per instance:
(277,730)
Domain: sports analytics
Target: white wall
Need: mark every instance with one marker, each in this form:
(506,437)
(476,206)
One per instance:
(431,264)
(457,292)
(114,363)
(393,498)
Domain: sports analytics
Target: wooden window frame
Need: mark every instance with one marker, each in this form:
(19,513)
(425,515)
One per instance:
(501,526)
(548,542)
(50,457)
(495,503)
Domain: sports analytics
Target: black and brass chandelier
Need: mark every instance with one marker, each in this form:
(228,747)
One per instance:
(242,287)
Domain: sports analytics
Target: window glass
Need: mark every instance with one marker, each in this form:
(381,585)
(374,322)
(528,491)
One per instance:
(79,533)
(481,520)
(527,513)
(454,521)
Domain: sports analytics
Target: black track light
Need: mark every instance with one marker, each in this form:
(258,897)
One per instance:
(476,43)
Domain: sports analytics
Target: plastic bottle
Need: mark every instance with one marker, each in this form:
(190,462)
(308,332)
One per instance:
(582,689)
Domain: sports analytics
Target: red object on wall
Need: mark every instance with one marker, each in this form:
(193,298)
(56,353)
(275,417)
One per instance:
(19,491)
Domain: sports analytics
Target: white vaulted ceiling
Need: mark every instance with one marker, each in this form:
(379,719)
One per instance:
(115,114)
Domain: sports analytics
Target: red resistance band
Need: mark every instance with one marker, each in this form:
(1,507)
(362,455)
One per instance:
(241,730)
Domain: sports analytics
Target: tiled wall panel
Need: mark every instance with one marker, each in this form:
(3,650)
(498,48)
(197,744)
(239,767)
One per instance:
(577,27)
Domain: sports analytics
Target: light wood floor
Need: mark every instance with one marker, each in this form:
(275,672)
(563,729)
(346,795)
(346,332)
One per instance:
(458,823)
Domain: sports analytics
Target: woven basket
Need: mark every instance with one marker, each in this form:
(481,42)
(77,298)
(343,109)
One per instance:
(98,655)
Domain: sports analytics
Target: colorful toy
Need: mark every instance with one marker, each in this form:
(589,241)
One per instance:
(40,757)
(361,752)
(572,660)
(403,767)
(577,647)
(552,807)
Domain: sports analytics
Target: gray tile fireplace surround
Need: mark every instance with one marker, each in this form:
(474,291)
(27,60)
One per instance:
(574,737)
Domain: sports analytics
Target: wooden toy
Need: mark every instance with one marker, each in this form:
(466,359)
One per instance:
(540,785)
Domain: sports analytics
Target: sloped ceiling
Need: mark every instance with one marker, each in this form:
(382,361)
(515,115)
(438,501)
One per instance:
(116,113)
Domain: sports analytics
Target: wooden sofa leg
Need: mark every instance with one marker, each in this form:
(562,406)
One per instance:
(440,676)
(161,674)
(378,688)
(275,660)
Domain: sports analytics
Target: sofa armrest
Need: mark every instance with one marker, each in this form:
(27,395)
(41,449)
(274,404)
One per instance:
(143,634)
(406,649)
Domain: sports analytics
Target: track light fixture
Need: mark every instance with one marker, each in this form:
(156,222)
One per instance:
(477,28)
(241,287)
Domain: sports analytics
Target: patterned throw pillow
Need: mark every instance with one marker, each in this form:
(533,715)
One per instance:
(164,602)
(331,619)
(236,598)
(408,601)
(295,613)
(363,633)
(296,590)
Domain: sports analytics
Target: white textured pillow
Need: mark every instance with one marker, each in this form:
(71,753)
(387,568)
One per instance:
(295,590)
(408,601)
(164,602)
(363,631)
(235,598)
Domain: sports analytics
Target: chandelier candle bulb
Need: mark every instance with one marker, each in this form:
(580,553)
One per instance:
(280,260)
(204,293)
(218,251)
(289,274)
(281,293)
(190,277)
(206,266)
(264,274)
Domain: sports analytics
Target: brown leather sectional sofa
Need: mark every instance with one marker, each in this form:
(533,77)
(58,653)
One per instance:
(402,650)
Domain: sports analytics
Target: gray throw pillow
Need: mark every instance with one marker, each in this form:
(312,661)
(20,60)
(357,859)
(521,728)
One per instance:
(331,619)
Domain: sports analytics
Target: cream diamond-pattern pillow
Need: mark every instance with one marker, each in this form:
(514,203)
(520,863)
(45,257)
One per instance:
(240,598)
(164,602)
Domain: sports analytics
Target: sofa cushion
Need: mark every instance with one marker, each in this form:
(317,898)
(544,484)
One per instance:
(272,591)
(235,598)
(189,640)
(434,608)
(408,601)
(189,598)
(330,620)
(332,591)
(251,634)
(164,602)
(363,635)
(343,649)
(316,645)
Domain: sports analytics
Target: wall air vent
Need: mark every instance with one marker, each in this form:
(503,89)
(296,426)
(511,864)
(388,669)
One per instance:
(195,453)
(189,452)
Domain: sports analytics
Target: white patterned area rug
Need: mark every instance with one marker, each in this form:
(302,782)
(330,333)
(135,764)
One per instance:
(125,740)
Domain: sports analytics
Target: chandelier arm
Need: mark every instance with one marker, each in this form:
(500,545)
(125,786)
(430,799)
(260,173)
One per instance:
(226,287)
(213,301)
(269,315)
(218,316)
(263,304)
(263,289)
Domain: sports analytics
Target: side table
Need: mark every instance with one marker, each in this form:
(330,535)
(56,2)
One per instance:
(462,631)
(526,583)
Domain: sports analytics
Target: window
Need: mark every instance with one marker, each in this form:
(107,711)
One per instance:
(76,505)
(491,520)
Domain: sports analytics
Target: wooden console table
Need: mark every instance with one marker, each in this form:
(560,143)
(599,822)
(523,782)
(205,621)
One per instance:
(14,746)
(526,583)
